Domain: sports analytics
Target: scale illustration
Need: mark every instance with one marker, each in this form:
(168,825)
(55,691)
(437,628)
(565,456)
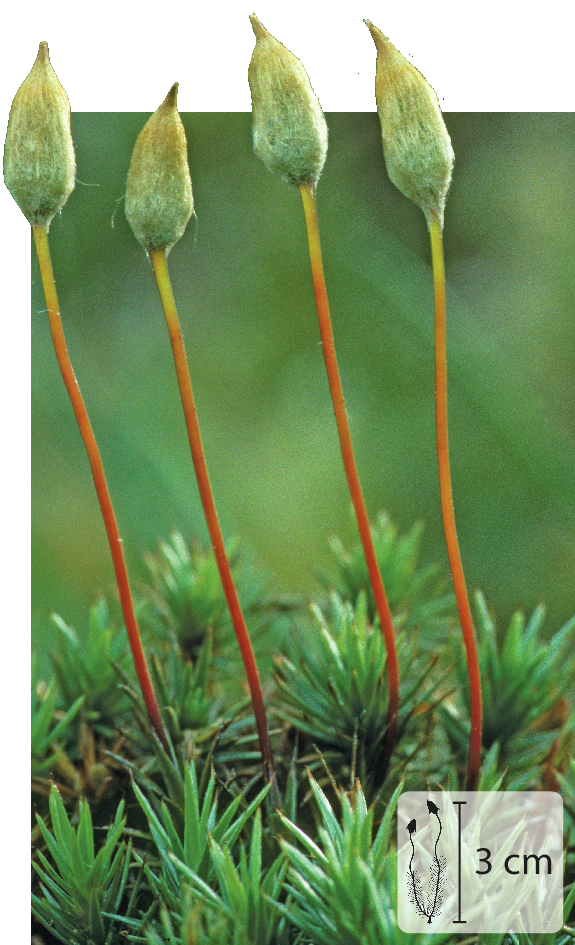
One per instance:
(428,906)
(487,861)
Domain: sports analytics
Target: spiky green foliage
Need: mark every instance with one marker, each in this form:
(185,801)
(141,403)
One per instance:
(195,710)
(47,729)
(200,925)
(183,689)
(85,666)
(188,591)
(524,680)
(246,894)
(214,872)
(335,691)
(181,828)
(417,596)
(344,887)
(227,740)
(186,837)
(78,884)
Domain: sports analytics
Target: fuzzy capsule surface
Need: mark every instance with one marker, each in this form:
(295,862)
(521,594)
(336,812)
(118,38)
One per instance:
(159,200)
(416,145)
(39,161)
(289,129)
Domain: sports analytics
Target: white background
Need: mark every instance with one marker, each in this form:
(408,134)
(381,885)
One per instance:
(493,56)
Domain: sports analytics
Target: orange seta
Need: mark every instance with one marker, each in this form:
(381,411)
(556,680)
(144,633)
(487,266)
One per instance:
(115,542)
(310,209)
(447,503)
(160,266)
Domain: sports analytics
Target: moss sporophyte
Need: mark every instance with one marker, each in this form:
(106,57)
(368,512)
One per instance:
(40,171)
(159,204)
(419,160)
(290,136)
(159,832)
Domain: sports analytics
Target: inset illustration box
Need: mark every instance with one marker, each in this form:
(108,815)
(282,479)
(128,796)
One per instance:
(486,861)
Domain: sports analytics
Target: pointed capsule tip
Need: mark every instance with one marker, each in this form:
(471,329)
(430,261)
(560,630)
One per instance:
(43,52)
(258,28)
(171,98)
(380,39)
(372,29)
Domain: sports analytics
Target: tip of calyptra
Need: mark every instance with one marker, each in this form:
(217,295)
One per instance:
(258,28)
(380,39)
(372,29)
(171,98)
(43,53)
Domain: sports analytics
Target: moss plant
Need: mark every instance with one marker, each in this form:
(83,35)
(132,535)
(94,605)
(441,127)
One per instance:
(173,839)
(419,160)
(290,136)
(188,592)
(525,682)
(417,595)
(334,694)
(188,599)
(45,732)
(87,883)
(353,866)
(87,667)
(203,862)
(39,170)
(158,206)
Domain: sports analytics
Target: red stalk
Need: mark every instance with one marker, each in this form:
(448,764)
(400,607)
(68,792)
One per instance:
(160,266)
(447,504)
(310,209)
(115,542)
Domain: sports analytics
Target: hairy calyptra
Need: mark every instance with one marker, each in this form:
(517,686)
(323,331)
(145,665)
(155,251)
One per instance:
(39,161)
(416,146)
(159,201)
(289,129)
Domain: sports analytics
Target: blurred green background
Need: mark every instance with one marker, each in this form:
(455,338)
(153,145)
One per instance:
(243,286)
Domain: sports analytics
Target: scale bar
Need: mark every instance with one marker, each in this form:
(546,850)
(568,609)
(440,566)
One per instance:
(459,920)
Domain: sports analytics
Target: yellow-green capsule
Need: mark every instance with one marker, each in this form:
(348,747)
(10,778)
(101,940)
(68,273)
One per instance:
(159,200)
(289,129)
(416,146)
(39,161)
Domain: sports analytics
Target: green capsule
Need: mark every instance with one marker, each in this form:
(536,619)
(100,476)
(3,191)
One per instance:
(289,129)
(39,161)
(416,146)
(159,200)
